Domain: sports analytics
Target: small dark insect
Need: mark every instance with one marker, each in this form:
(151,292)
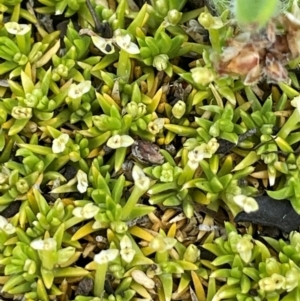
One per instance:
(147,152)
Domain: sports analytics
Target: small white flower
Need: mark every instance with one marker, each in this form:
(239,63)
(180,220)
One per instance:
(279,281)
(76,91)
(104,45)
(140,180)
(127,253)
(3,222)
(17,29)
(7,227)
(48,244)
(197,155)
(267,284)
(248,204)
(124,42)
(118,141)
(82,181)
(213,145)
(105,256)
(59,144)
(125,242)
(155,126)
(87,211)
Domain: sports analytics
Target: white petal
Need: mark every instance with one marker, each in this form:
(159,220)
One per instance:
(78,212)
(123,41)
(250,205)
(98,41)
(159,122)
(64,138)
(106,256)
(47,244)
(103,45)
(82,181)
(9,229)
(3,222)
(57,146)
(114,142)
(74,92)
(125,242)
(37,244)
(90,210)
(85,86)
(193,164)
(240,200)
(126,141)
(133,49)
(127,255)
(137,173)
(17,29)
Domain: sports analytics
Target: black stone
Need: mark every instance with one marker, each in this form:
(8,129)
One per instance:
(272,212)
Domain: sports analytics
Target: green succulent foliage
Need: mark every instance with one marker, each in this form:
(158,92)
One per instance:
(16,182)
(77,47)
(59,7)
(10,2)
(110,207)
(171,193)
(222,126)
(156,51)
(32,267)
(159,10)
(288,187)
(253,267)
(17,50)
(43,218)
(31,100)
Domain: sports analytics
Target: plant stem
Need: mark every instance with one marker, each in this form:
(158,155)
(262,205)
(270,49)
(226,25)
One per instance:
(100,279)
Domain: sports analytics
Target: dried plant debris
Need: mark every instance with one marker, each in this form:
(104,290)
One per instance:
(146,152)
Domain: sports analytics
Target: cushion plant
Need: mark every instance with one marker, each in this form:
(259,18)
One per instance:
(144,146)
